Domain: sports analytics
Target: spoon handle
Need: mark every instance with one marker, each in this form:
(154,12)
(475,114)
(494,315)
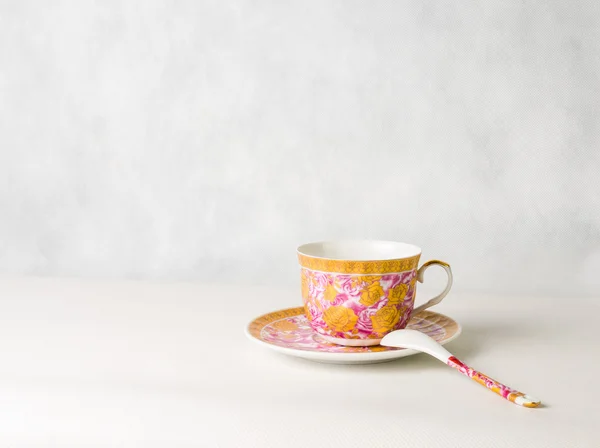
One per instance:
(504,391)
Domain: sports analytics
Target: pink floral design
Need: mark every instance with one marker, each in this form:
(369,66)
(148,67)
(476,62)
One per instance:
(393,280)
(355,306)
(321,280)
(365,295)
(315,314)
(364,318)
(339,299)
(349,285)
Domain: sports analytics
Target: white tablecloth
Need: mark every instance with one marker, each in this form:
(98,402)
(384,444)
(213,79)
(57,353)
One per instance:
(90,363)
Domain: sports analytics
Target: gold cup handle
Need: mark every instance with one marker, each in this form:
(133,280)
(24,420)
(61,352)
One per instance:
(437,299)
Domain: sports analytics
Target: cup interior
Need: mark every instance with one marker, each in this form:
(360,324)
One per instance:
(359,250)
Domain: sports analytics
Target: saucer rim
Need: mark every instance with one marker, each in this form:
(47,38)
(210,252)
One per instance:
(341,357)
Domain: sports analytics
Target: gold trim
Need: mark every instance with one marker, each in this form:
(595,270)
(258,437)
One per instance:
(261,322)
(359,267)
(430,262)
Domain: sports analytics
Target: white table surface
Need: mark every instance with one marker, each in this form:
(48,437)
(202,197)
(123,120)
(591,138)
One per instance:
(136,364)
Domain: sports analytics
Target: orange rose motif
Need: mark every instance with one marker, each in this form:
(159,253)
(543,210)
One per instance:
(284,325)
(397,294)
(371,294)
(340,318)
(330,293)
(385,319)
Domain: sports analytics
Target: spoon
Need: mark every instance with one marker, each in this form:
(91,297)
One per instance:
(419,341)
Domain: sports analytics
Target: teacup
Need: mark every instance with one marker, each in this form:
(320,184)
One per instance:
(356,292)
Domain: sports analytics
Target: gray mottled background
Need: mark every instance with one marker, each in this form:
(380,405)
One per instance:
(206,139)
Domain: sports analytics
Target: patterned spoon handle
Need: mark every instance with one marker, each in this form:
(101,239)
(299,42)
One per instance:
(504,391)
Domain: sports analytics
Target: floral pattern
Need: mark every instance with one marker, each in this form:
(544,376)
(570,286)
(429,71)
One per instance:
(295,332)
(357,306)
(371,294)
(385,319)
(495,386)
(340,318)
(398,293)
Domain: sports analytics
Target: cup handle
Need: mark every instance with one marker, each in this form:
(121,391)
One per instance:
(437,299)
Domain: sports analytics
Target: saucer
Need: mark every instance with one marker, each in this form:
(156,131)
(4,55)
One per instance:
(288,331)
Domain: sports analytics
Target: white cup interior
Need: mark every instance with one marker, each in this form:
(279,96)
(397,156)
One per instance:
(359,250)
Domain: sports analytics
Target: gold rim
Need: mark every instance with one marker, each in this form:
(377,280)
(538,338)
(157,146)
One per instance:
(359,267)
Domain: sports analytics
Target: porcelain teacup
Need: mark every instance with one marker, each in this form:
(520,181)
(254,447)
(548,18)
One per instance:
(356,292)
